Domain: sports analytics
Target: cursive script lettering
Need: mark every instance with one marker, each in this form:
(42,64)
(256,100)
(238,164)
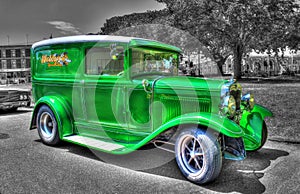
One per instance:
(56,60)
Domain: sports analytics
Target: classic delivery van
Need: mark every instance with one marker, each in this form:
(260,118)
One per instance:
(116,94)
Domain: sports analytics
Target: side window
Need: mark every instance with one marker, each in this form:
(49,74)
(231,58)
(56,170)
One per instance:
(99,62)
(56,61)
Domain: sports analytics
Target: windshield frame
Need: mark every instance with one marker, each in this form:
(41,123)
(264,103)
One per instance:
(154,73)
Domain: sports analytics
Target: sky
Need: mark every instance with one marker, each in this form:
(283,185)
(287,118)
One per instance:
(23,21)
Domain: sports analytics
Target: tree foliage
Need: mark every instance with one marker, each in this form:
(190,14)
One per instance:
(166,34)
(237,26)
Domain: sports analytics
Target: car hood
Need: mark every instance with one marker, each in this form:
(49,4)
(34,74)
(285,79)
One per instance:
(182,85)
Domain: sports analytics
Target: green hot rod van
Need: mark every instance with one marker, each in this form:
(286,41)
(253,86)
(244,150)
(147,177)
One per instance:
(116,94)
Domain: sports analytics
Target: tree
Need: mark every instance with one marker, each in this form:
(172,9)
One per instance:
(166,34)
(238,26)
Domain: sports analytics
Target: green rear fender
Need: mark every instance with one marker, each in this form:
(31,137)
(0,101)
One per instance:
(61,110)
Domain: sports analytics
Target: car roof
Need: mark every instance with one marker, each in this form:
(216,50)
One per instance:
(133,41)
(82,38)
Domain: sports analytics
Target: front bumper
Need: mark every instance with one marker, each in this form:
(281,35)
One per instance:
(10,105)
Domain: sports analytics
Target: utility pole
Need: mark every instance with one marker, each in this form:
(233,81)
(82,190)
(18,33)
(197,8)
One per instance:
(7,39)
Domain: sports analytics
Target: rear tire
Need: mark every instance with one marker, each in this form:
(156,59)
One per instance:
(198,156)
(47,126)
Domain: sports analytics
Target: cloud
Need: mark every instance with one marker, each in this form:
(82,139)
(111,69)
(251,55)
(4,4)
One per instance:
(65,27)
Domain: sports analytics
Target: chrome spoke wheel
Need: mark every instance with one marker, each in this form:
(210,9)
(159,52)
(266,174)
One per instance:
(191,154)
(198,155)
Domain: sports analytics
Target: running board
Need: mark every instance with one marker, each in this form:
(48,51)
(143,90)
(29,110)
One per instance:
(93,143)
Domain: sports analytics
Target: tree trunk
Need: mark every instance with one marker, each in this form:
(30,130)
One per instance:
(237,60)
(220,64)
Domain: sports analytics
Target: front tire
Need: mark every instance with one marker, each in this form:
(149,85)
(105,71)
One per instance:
(47,126)
(198,156)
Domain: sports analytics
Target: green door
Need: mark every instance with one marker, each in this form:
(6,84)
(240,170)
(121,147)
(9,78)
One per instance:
(104,95)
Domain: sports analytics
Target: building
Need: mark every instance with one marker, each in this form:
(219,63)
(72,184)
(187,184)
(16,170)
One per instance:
(264,65)
(202,65)
(15,64)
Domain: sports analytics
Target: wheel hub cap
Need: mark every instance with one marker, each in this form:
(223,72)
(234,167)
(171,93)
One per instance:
(47,125)
(193,154)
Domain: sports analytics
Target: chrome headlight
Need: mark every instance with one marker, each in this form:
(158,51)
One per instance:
(230,98)
(228,106)
(231,106)
(21,97)
(236,92)
(224,98)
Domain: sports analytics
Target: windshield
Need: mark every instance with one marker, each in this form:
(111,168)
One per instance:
(150,62)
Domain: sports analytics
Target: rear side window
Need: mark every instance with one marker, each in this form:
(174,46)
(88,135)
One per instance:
(57,62)
(99,62)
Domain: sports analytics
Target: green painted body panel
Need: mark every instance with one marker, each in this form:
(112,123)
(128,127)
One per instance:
(212,121)
(117,107)
(252,123)
(216,122)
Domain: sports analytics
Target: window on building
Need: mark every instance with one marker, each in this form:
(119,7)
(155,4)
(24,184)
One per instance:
(8,53)
(13,64)
(27,52)
(4,64)
(99,62)
(23,63)
(18,61)
(23,53)
(13,53)
(27,63)
(18,53)
(8,64)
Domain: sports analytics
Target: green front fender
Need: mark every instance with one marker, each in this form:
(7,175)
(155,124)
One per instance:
(61,111)
(252,124)
(255,118)
(215,122)
(264,112)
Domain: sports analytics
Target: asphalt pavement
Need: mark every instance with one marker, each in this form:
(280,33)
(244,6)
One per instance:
(29,166)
